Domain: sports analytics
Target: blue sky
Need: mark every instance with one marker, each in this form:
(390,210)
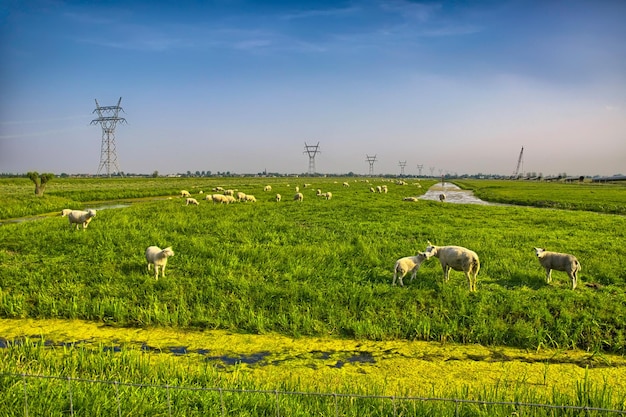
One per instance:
(241,86)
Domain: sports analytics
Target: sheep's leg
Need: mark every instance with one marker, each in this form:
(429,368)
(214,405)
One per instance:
(414,274)
(574,279)
(395,274)
(163,271)
(469,280)
(548,275)
(446,272)
(156,272)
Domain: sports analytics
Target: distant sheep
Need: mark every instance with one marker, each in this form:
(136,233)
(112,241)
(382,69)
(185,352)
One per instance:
(297,189)
(442,197)
(345,184)
(372,190)
(250,198)
(267,188)
(229,192)
(158,257)
(298,197)
(327,195)
(219,198)
(185,193)
(78,217)
(191,201)
(218,189)
(241,196)
(457,258)
(559,262)
(278,197)
(410,199)
(407,264)
(379,189)
(65,212)
(384,187)
(318,192)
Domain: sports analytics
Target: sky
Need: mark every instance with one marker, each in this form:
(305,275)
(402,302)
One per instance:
(244,86)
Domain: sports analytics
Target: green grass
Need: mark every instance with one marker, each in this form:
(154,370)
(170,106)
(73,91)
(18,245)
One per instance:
(323,267)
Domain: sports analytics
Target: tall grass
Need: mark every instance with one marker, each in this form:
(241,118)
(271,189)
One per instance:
(324,267)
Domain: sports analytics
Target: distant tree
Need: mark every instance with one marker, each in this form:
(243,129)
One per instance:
(155,174)
(40,181)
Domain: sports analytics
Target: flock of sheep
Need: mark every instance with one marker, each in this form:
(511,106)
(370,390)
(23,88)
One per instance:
(457,258)
(465,260)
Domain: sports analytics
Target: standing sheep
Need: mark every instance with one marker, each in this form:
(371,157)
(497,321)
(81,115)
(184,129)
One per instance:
(158,257)
(559,262)
(267,188)
(250,198)
(298,197)
(192,201)
(407,264)
(457,258)
(78,217)
(185,193)
(278,197)
(241,196)
(327,195)
(65,212)
(442,197)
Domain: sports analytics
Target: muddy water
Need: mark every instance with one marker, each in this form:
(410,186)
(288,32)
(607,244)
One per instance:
(453,194)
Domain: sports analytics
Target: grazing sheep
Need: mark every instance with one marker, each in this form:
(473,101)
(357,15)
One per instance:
(410,199)
(457,258)
(298,197)
(318,192)
(219,198)
(208,197)
(65,212)
(241,196)
(191,201)
(250,198)
(297,189)
(278,197)
(185,193)
(442,197)
(229,192)
(406,265)
(267,188)
(379,189)
(231,199)
(327,195)
(345,184)
(372,190)
(79,217)
(559,262)
(158,257)
(218,189)
(384,187)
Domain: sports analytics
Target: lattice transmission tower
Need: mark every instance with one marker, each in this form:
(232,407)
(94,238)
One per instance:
(108,118)
(371,160)
(402,164)
(311,150)
(419,167)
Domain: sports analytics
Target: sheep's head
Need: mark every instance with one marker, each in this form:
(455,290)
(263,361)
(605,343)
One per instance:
(539,252)
(430,250)
(168,252)
(92,213)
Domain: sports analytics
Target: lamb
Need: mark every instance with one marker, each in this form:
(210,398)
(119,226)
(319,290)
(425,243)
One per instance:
(158,257)
(327,195)
(78,217)
(298,197)
(219,198)
(250,198)
(345,184)
(278,197)
(407,264)
(457,258)
(185,193)
(229,192)
(385,190)
(379,189)
(410,199)
(267,188)
(442,197)
(192,201)
(65,212)
(559,262)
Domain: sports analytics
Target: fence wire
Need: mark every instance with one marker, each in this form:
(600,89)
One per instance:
(333,399)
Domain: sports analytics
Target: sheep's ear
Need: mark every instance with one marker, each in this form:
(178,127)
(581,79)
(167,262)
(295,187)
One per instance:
(429,244)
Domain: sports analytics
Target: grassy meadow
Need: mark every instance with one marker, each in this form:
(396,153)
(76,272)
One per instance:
(320,268)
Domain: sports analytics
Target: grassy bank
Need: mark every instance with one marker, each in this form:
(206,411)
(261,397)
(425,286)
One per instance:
(323,267)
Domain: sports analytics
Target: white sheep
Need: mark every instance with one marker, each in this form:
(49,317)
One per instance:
(345,184)
(219,198)
(384,187)
(318,192)
(442,197)
(327,195)
(229,192)
(379,189)
(297,189)
(79,217)
(158,257)
(372,190)
(267,188)
(559,262)
(185,193)
(218,189)
(457,258)
(410,199)
(278,197)
(407,264)
(298,197)
(191,201)
(250,198)
(65,212)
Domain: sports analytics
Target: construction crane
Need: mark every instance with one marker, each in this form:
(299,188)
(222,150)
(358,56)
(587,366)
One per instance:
(520,162)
